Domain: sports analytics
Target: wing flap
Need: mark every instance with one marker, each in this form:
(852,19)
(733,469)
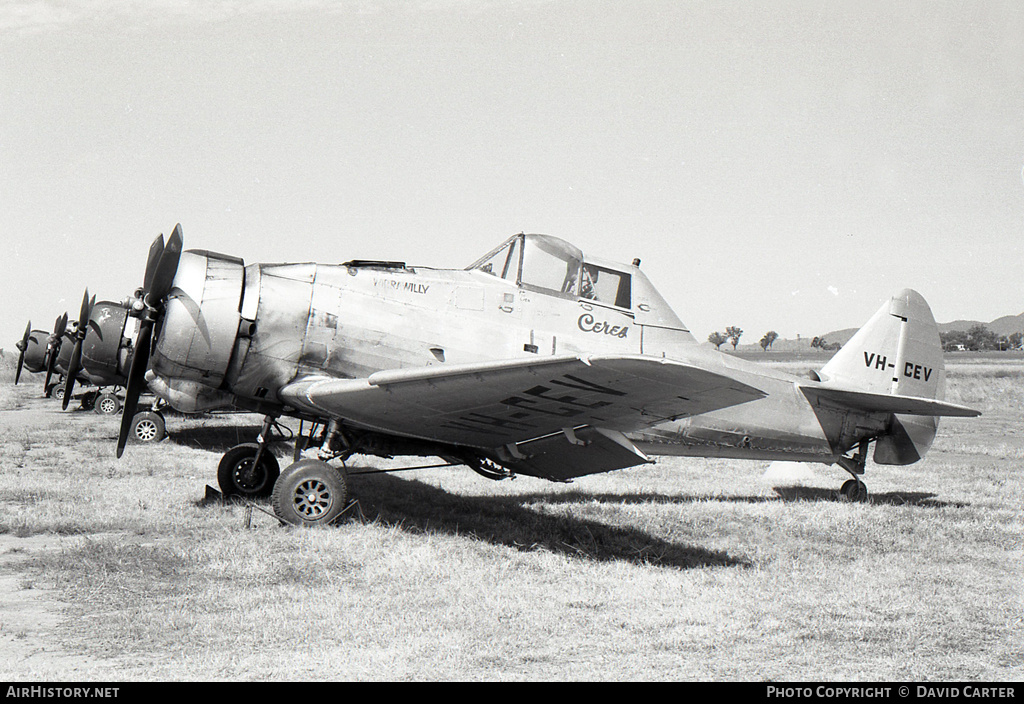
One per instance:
(573,453)
(491,404)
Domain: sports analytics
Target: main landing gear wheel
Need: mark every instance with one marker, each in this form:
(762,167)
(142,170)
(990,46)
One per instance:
(147,426)
(853,490)
(107,404)
(238,476)
(310,493)
(57,392)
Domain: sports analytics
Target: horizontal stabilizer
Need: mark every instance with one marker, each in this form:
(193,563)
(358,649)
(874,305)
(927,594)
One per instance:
(887,403)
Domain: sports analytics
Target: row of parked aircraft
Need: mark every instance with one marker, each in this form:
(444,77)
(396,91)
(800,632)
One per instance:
(534,360)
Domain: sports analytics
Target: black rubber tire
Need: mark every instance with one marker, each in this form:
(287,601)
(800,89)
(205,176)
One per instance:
(310,493)
(57,392)
(147,426)
(853,490)
(237,476)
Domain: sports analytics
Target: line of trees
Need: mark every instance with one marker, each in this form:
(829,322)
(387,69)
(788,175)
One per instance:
(979,337)
(732,334)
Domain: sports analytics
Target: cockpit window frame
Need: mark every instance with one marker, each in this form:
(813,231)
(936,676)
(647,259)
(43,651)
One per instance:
(514,245)
(623,290)
(572,287)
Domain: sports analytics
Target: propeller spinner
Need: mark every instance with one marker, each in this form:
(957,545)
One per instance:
(161,266)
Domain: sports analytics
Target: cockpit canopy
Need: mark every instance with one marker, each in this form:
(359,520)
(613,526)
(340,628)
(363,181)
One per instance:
(553,266)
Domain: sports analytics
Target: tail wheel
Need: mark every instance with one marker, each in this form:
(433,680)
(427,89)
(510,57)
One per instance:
(853,490)
(147,427)
(238,476)
(107,404)
(310,493)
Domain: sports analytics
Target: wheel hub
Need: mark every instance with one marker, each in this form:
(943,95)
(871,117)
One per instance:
(312,498)
(247,476)
(145,430)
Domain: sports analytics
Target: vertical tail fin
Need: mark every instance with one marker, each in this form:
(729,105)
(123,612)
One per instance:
(897,352)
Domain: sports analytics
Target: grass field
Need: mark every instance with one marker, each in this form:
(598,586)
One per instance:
(691,569)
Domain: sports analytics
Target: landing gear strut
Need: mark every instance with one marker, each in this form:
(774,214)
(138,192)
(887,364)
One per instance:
(854,489)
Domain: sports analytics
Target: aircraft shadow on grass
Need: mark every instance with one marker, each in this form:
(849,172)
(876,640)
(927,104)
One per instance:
(891,498)
(506,520)
(787,494)
(219,438)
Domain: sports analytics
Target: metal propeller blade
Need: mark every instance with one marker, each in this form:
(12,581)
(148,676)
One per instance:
(136,380)
(53,346)
(155,250)
(75,363)
(69,381)
(22,346)
(161,266)
(167,267)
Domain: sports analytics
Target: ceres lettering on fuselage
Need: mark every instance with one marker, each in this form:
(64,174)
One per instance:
(587,323)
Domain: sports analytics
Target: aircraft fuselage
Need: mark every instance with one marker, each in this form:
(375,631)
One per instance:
(349,321)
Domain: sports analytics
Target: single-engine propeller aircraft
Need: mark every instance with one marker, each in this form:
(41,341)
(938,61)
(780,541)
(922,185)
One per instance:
(32,348)
(534,360)
(102,355)
(54,355)
(41,351)
(97,356)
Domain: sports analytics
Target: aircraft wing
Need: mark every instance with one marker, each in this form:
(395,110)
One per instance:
(491,404)
(887,403)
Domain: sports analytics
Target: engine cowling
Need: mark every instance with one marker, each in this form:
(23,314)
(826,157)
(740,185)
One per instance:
(104,351)
(196,337)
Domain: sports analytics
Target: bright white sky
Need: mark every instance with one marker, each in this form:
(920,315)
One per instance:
(785,165)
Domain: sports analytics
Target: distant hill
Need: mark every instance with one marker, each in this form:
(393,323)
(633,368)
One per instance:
(1006,325)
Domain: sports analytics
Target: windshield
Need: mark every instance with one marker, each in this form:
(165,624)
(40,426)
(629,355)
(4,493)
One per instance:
(551,264)
(503,262)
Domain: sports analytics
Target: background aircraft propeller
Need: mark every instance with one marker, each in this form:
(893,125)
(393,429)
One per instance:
(53,346)
(161,266)
(22,345)
(75,363)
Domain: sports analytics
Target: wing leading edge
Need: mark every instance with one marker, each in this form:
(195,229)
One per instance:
(493,404)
